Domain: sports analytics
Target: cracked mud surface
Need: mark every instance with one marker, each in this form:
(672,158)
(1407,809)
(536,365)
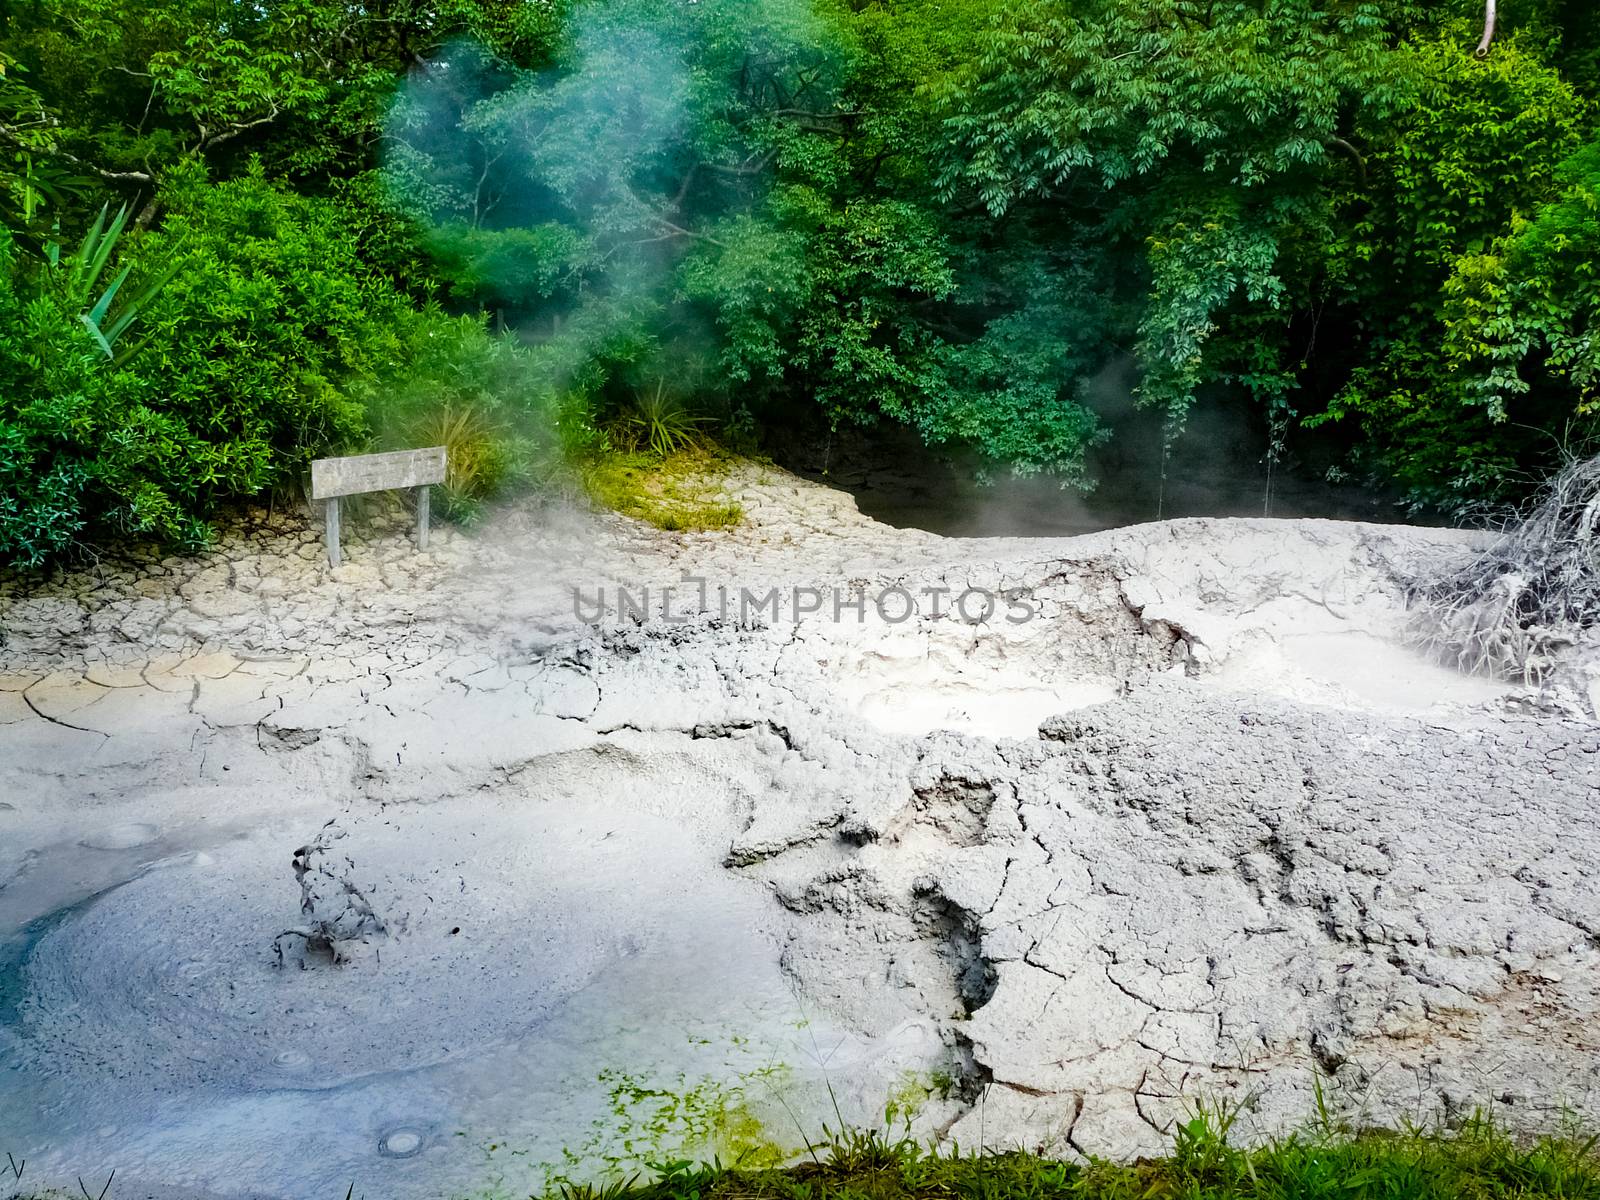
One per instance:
(1199,829)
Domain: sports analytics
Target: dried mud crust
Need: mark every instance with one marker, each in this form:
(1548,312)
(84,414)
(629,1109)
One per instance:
(1201,826)
(1182,894)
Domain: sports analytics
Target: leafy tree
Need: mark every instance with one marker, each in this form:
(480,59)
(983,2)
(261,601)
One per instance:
(126,93)
(731,194)
(1206,135)
(1525,315)
(1266,174)
(1479,151)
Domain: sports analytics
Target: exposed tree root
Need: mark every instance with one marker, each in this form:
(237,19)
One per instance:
(1509,611)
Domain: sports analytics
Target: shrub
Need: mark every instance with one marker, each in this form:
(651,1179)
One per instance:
(80,446)
(268,343)
(455,384)
(270,325)
(241,369)
(658,422)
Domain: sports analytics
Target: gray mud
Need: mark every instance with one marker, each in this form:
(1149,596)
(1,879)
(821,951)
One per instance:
(1203,828)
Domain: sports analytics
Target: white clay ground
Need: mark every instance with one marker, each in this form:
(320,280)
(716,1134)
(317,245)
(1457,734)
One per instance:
(1203,828)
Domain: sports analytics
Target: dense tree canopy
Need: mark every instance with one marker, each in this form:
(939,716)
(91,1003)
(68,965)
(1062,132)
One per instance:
(346,219)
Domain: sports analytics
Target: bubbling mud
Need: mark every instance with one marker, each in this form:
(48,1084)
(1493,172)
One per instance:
(181,959)
(531,940)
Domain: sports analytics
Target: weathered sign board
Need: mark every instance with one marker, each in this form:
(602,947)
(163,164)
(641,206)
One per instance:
(332,478)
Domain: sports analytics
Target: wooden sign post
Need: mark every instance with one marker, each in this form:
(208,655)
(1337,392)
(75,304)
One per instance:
(332,478)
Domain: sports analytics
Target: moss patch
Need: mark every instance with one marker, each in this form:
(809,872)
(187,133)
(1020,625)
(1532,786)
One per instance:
(683,491)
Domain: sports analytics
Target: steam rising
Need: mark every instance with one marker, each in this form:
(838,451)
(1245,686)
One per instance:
(564,199)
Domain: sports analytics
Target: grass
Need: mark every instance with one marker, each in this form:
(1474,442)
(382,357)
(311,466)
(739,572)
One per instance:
(655,462)
(478,457)
(677,491)
(1477,1162)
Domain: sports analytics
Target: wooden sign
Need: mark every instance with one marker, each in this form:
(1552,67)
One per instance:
(335,477)
(332,477)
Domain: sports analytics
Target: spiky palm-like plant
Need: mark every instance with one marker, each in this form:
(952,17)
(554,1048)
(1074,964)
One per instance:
(660,422)
(78,277)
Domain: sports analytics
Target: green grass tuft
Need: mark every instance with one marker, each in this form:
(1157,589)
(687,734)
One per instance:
(659,423)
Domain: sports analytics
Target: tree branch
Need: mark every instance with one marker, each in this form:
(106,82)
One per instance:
(208,140)
(14,136)
(832,114)
(673,229)
(680,231)
(1488,29)
(676,203)
(1355,155)
(750,166)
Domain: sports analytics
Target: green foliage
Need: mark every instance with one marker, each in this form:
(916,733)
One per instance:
(32,188)
(664,182)
(476,460)
(268,317)
(506,269)
(1475,1162)
(79,444)
(658,422)
(264,340)
(497,225)
(1208,136)
(1272,174)
(1198,262)
(1528,309)
(1462,170)
(131,92)
(79,277)
(1123,91)
(648,1125)
(452,383)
